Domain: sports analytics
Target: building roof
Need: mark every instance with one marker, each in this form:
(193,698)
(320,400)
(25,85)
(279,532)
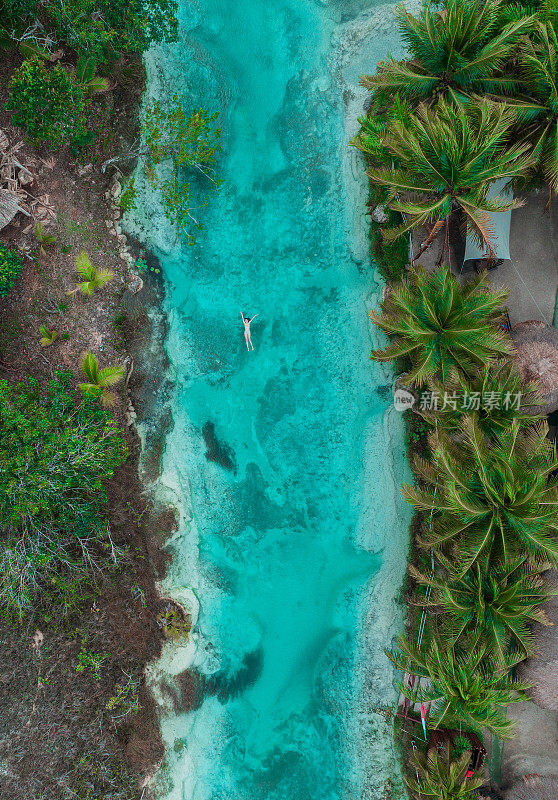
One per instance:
(536,356)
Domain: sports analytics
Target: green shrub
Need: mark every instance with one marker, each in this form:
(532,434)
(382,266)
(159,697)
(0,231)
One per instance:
(90,661)
(461,745)
(81,141)
(55,454)
(128,196)
(125,700)
(10,269)
(48,103)
(64,596)
(174,623)
(418,428)
(97,28)
(392,257)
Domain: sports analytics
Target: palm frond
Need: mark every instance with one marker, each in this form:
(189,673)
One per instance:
(440,325)
(461,50)
(110,376)
(493,504)
(461,688)
(84,266)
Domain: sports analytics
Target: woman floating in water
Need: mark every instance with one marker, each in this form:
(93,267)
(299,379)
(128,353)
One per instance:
(247,334)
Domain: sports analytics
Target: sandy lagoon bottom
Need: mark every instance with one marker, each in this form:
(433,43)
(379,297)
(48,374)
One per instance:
(284,462)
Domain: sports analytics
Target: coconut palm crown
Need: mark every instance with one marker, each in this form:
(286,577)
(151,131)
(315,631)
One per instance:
(439,777)
(539,110)
(491,608)
(98,380)
(460,687)
(494,396)
(445,162)
(442,326)
(95,278)
(492,502)
(458,51)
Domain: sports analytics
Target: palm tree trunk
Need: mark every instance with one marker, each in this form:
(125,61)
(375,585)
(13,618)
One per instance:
(430,238)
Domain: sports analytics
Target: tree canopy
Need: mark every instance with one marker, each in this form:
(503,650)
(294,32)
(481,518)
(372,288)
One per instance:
(492,502)
(460,687)
(188,142)
(492,607)
(440,326)
(454,53)
(446,159)
(98,27)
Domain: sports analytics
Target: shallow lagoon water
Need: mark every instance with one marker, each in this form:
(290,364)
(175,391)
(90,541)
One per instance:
(284,462)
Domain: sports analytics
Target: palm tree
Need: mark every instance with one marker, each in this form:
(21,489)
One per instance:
(456,52)
(99,379)
(493,396)
(492,607)
(460,686)
(374,127)
(45,239)
(441,326)
(539,111)
(94,278)
(489,503)
(439,777)
(445,161)
(85,76)
(48,337)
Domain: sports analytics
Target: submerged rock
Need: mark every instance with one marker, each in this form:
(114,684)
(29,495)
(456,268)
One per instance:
(218,451)
(226,686)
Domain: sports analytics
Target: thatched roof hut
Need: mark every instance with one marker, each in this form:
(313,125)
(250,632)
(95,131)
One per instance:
(542,670)
(14,177)
(536,357)
(533,787)
(9,207)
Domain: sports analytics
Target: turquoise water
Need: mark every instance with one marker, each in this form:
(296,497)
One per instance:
(284,462)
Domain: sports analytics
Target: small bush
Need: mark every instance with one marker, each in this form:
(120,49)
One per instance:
(128,196)
(392,258)
(461,745)
(82,140)
(125,700)
(90,661)
(174,623)
(10,269)
(48,103)
(418,428)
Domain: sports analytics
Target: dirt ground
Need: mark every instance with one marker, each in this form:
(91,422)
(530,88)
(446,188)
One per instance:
(76,720)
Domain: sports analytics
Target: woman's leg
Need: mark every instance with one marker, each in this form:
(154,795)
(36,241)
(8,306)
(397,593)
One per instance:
(246,338)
